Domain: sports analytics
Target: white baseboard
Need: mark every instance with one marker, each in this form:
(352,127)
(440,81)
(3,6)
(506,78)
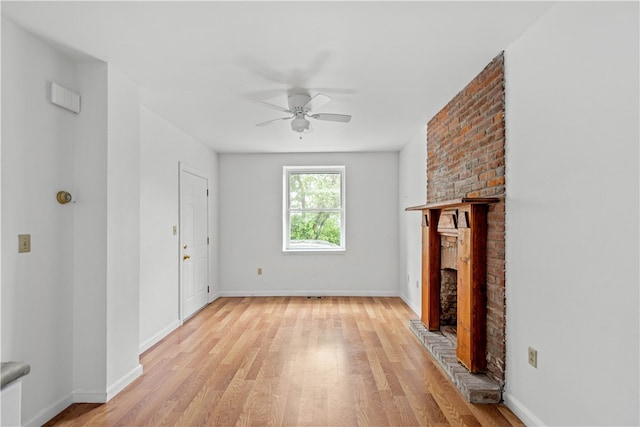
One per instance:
(49,412)
(146,345)
(310,293)
(120,384)
(84,396)
(413,308)
(521,411)
(89,396)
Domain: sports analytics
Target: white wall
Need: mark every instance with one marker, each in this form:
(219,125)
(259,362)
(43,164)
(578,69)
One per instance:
(37,162)
(123,232)
(572,216)
(70,307)
(107,234)
(163,146)
(251,232)
(90,239)
(412,191)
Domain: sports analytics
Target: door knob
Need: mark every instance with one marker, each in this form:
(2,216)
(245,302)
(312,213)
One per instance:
(185,257)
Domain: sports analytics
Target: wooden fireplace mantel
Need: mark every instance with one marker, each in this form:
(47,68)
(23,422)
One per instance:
(454,203)
(466,219)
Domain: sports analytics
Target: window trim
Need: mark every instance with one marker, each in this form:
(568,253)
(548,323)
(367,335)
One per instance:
(286,211)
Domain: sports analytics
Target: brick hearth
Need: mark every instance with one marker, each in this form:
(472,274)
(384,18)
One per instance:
(476,388)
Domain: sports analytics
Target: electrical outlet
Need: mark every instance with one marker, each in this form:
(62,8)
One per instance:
(259,271)
(24,243)
(533,357)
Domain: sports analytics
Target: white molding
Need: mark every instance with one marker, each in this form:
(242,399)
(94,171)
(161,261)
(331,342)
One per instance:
(120,384)
(159,336)
(411,306)
(286,210)
(521,411)
(89,396)
(184,167)
(50,411)
(309,293)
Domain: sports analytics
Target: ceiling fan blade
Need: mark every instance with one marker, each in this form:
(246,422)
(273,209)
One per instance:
(273,120)
(317,102)
(272,106)
(343,118)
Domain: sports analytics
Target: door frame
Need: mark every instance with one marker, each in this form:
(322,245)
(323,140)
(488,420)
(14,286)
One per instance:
(185,168)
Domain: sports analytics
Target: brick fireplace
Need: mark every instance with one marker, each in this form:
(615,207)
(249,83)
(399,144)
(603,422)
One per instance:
(466,175)
(462,223)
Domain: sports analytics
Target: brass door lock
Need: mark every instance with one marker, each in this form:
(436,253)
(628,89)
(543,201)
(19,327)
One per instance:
(63,197)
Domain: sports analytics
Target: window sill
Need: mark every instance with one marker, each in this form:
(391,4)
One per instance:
(314,251)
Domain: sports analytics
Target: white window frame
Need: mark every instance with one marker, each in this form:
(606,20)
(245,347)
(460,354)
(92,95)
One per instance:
(286,211)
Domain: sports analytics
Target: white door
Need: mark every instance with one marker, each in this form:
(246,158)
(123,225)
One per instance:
(194,237)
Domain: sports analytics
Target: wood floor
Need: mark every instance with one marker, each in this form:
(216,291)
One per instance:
(335,361)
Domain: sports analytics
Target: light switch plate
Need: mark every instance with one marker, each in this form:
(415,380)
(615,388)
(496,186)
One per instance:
(24,243)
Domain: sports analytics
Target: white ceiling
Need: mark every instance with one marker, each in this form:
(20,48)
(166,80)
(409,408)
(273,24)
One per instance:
(200,65)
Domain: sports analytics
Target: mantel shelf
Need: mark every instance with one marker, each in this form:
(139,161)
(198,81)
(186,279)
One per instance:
(455,202)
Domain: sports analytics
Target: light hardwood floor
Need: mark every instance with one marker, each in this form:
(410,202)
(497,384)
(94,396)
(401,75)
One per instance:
(335,361)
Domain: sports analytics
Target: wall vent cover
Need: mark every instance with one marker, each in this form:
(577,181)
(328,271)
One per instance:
(65,98)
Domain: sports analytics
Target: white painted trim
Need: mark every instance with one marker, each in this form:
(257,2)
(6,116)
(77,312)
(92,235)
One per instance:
(291,293)
(195,313)
(286,210)
(521,411)
(159,336)
(50,411)
(415,310)
(123,382)
(89,396)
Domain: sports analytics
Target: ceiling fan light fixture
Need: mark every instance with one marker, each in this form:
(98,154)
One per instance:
(301,107)
(299,124)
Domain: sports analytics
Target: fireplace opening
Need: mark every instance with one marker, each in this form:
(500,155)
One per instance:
(448,283)
(449,303)
(448,297)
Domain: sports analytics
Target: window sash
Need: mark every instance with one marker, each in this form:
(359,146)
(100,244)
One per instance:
(288,244)
(325,198)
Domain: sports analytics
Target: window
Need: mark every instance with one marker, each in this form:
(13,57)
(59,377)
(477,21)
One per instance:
(313,216)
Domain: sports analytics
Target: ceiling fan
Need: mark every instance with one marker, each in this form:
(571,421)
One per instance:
(301,107)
